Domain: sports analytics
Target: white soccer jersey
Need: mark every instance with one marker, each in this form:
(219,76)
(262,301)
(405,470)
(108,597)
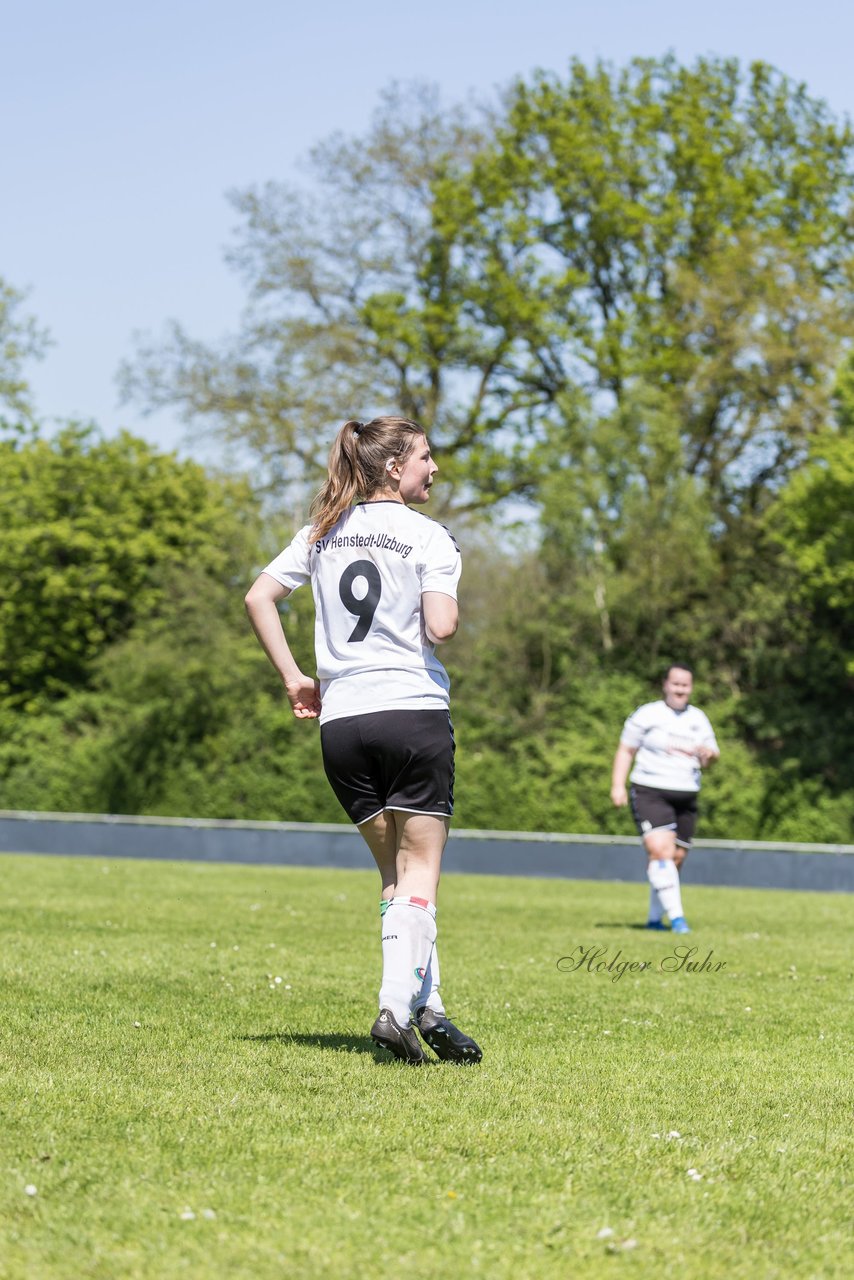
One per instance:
(367,575)
(665,740)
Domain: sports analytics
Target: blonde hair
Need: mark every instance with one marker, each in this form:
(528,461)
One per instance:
(357,466)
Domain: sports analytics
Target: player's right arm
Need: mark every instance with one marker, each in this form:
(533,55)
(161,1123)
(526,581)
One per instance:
(261,599)
(620,772)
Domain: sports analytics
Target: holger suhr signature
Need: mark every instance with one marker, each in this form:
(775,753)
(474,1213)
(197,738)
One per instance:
(594,959)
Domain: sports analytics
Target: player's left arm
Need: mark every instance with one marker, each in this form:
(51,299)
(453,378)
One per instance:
(440,574)
(707,751)
(441,616)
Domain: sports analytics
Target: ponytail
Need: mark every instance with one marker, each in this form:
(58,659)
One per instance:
(357,466)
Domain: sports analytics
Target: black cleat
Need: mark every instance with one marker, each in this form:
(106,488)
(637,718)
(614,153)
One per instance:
(401,1041)
(446,1040)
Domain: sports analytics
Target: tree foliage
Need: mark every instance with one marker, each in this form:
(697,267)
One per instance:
(512,283)
(91,530)
(618,300)
(350,303)
(21,339)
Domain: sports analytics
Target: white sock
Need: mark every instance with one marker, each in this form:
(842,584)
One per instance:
(430,995)
(655,912)
(409,932)
(664,878)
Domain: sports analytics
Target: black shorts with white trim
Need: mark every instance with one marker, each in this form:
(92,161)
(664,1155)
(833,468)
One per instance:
(391,760)
(656,810)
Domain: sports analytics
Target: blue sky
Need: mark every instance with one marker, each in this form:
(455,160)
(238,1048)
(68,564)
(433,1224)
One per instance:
(125,126)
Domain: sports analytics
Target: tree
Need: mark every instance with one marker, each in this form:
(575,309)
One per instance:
(21,339)
(619,295)
(813,521)
(91,528)
(351,310)
(665,254)
(797,622)
(687,231)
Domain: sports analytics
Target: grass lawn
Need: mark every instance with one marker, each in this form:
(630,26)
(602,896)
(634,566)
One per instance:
(171,1109)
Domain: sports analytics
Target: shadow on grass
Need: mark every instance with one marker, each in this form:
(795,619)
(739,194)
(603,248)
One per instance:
(627,924)
(322,1040)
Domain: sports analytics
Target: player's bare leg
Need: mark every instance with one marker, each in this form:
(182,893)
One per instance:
(421,840)
(662,871)
(419,859)
(380,835)
(392,1028)
(408,849)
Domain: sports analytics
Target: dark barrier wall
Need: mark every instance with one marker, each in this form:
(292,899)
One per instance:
(826,868)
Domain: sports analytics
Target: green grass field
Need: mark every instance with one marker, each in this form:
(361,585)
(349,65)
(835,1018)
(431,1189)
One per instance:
(170,1109)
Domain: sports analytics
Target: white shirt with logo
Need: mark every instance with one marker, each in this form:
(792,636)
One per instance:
(367,576)
(665,740)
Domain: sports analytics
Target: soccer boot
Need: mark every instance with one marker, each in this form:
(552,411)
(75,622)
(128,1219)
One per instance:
(658,925)
(680,925)
(401,1041)
(446,1040)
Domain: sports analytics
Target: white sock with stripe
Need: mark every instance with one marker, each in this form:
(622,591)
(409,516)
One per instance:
(430,995)
(655,913)
(664,878)
(408,938)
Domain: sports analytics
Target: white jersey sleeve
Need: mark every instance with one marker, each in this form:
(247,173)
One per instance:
(441,566)
(638,725)
(291,567)
(707,738)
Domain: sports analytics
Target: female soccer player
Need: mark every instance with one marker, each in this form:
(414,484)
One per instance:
(669,741)
(384,580)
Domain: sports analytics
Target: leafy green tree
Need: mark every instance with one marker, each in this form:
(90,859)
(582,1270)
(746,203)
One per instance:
(619,295)
(795,624)
(665,254)
(90,530)
(686,230)
(183,716)
(813,520)
(811,662)
(351,309)
(21,339)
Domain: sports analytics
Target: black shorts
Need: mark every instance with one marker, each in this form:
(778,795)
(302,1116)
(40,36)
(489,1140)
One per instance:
(655,810)
(391,760)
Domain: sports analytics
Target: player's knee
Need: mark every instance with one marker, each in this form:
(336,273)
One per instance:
(660,844)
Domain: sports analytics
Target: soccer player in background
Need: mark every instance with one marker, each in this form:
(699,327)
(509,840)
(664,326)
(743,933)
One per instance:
(384,580)
(669,742)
